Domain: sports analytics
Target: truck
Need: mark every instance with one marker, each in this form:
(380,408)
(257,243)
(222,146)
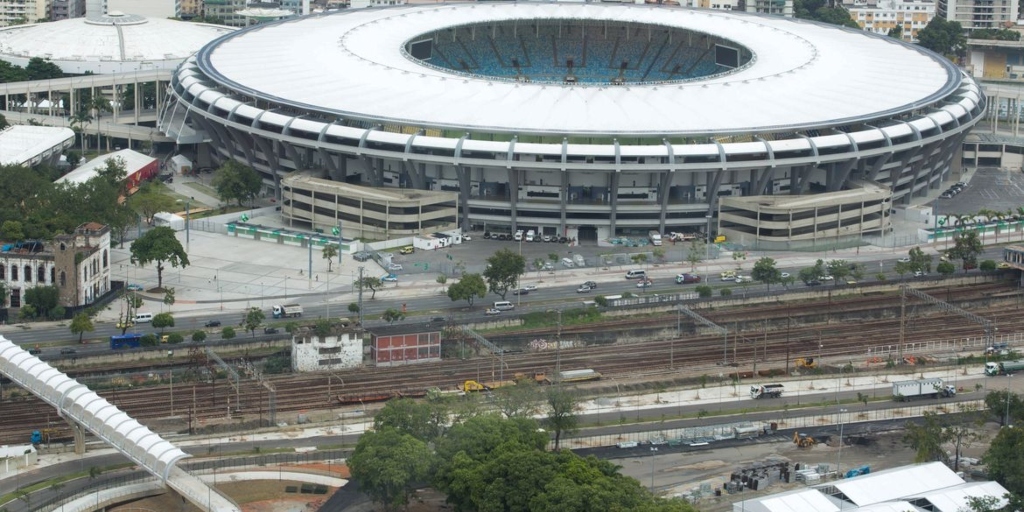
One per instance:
(287,310)
(922,388)
(655,237)
(1003,368)
(766,391)
(131,340)
(471,385)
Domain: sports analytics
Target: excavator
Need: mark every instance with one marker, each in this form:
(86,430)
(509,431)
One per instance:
(803,440)
(805,362)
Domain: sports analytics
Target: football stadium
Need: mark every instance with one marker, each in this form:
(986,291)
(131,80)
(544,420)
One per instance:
(583,120)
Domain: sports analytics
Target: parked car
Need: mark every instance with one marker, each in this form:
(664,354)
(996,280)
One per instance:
(591,284)
(547,238)
(492,311)
(212,323)
(394,267)
(410,249)
(567,263)
(390,278)
(583,289)
(467,238)
(548,266)
(134,287)
(270,330)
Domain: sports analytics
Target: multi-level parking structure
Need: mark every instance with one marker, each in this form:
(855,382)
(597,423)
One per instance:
(812,132)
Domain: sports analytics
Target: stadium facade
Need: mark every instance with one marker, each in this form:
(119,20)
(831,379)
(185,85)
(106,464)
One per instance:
(590,120)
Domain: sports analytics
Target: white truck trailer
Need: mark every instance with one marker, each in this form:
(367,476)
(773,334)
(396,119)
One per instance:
(921,388)
(287,310)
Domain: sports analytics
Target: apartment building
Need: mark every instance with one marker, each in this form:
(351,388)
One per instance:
(17,12)
(881,16)
(979,14)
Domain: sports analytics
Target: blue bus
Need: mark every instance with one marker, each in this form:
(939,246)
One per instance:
(126,341)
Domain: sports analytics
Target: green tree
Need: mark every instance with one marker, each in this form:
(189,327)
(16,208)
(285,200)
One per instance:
(253,320)
(563,405)
(739,257)
(169,298)
(410,417)
(150,200)
(40,69)
(1000,403)
(80,325)
(896,32)
(943,37)
(927,438)
(175,338)
(1005,459)
(519,401)
(328,253)
(236,182)
(132,303)
(12,230)
(392,315)
(966,248)
(149,340)
(353,307)
(703,290)
(695,253)
(369,283)
(988,266)
(43,299)
(766,272)
(468,289)
(388,464)
(162,321)
(814,273)
(945,268)
(159,245)
(199,336)
(919,261)
(839,270)
(503,270)
(227,333)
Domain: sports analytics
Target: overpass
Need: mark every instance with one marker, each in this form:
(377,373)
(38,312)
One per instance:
(79,405)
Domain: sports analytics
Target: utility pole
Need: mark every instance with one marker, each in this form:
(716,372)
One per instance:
(558,350)
(903,324)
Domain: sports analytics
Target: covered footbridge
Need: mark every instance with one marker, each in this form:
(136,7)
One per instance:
(79,405)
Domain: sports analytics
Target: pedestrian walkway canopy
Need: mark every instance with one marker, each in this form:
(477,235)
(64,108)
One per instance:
(78,404)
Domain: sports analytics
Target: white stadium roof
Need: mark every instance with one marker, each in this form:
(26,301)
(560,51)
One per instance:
(24,145)
(113,42)
(803,75)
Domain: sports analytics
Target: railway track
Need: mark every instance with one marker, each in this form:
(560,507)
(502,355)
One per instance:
(662,359)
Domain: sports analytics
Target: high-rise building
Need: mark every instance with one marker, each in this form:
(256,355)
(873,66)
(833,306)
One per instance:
(15,12)
(777,7)
(147,8)
(95,7)
(979,14)
(67,9)
(225,11)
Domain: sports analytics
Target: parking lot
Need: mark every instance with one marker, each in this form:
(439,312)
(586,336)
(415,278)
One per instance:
(989,188)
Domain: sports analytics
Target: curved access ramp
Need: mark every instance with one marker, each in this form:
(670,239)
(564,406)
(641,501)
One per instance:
(76,402)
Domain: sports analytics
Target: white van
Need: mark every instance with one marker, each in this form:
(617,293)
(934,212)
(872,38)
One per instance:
(530,235)
(504,305)
(636,274)
(518,237)
(143,317)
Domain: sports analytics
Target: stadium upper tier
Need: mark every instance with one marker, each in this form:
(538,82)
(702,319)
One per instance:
(588,119)
(570,51)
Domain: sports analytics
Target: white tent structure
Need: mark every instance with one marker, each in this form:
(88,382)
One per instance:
(918,488)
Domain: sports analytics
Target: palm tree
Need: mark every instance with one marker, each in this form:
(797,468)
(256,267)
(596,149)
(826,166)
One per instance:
(97,105)
(80,118)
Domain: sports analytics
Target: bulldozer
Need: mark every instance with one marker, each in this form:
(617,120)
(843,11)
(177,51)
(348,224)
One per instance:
(803,440)
(805,362)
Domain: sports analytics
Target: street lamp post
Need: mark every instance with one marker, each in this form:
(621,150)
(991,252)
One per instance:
(654,452)
(261,294)
(839,457)
(286,288)
(1007,422)
(707,248)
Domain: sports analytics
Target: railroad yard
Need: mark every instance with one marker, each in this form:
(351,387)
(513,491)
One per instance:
(648,349)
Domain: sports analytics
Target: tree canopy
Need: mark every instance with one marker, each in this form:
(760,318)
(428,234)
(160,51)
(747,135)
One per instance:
(503,270)
(159,245)
(819,10)
(943,37)
(469,288)
(966,248)
(236,182)
(766,272)
(388,464)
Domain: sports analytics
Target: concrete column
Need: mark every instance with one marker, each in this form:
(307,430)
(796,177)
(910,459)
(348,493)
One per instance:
(563,191)
(513,196)
(613,190)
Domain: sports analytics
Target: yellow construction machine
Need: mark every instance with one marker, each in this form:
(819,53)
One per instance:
(805,362)
(803,440)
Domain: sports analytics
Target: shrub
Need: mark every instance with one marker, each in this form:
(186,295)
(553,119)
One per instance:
(199,336)
(228,333)
(175,338)
(725,292)
(149,340)
(600,300)
(703,290)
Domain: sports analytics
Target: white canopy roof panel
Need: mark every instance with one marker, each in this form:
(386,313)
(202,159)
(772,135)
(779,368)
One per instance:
(803,75)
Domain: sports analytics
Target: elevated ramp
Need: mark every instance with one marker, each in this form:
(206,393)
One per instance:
(77,403)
